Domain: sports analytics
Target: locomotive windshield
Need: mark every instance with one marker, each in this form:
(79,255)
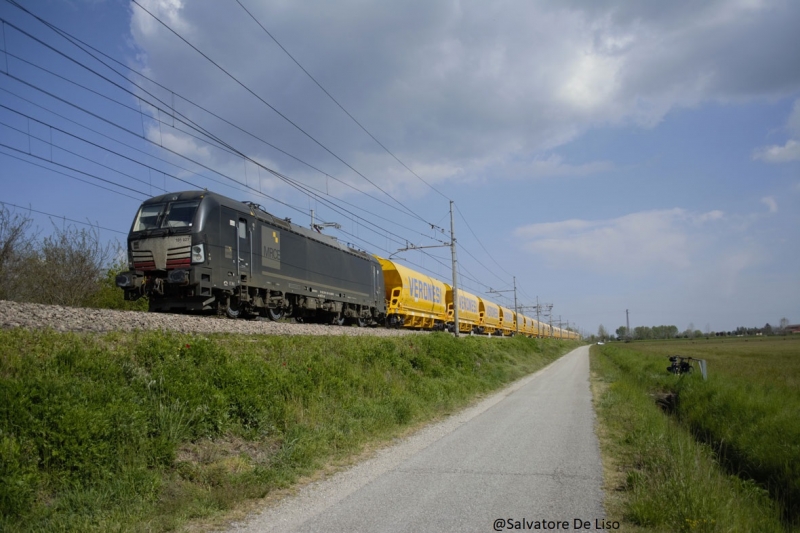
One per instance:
(167,215)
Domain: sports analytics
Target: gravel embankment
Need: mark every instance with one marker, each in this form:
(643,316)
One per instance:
(60,318)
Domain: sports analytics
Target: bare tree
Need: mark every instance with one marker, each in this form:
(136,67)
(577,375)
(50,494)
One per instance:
(67,268)
(602,333)
(16,245)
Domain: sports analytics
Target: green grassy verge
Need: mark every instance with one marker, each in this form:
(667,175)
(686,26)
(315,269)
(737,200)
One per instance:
(659,476)
(727,455)
(147,431)
(749,409)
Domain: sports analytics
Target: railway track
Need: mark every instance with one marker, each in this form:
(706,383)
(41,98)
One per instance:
(82,319)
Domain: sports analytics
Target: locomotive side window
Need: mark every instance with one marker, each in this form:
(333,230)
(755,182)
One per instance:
(180,214)
(148,217)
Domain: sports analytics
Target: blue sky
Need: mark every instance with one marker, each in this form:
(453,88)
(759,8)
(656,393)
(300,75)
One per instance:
(610,155)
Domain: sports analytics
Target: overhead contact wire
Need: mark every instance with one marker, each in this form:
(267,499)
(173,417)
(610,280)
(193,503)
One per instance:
(346,112)
(287,119)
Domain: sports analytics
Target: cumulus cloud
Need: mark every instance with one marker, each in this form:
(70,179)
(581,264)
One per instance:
(779,154)
(789,151)
(450,85)
(638,242)
(771,204)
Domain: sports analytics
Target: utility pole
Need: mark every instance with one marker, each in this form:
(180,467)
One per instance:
(628,325)
(516,308)
(452,246)
(455,280)
(523,308)
(545,310)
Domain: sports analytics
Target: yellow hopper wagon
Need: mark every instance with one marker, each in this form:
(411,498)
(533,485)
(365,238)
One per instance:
(538,328)
(489,316)
(413,300)
(508,323)
(469,317)
(528,328)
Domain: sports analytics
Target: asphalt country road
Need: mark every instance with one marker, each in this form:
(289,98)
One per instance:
(525,458)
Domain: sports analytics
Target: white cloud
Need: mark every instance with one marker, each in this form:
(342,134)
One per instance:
(450,85)
(554,165)
(779,154)
(793,124)
(166,10)
(174,140)
(789,151)
(771,204)
(635,243)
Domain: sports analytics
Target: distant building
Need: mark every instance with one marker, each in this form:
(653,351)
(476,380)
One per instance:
(793,329)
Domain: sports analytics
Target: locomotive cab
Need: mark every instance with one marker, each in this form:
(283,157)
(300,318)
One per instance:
(167,254)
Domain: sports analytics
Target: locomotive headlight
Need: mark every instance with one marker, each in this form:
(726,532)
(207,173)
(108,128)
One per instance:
(198,254)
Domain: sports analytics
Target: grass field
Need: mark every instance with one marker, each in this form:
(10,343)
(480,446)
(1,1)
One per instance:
(771,361)
(744,422)
(149,431)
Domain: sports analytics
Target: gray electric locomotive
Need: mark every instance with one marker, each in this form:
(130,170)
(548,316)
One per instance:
(200,251)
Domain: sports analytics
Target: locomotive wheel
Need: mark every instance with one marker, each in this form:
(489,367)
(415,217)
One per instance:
(274,314)
(233,310)
(358,321)
(338,320)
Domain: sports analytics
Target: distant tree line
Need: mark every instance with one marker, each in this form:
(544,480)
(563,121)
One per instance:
(70,266)
(672,332)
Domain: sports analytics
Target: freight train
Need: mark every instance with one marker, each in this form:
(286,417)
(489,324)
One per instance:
(201,251)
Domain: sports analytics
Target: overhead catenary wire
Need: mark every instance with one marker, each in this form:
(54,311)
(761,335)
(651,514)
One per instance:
(480,243)
(172,113)
(171,109)
(220,143)
(337,102)
(64,218)
(252,189)
(75,177)
(75,153)
(9,147)
(262,100)
(180,155)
